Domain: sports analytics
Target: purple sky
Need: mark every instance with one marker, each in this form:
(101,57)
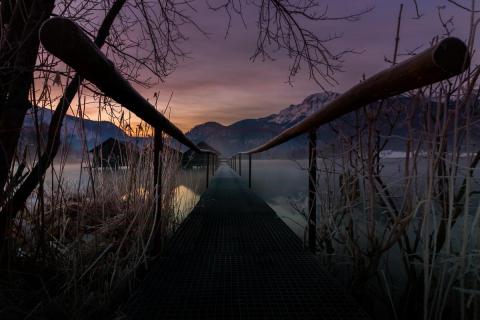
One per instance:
(220,83)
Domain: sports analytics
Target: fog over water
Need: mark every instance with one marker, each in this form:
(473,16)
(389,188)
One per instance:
(283,184)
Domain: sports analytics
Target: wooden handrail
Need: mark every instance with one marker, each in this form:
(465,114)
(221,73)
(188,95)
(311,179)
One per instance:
(65,39)
(448,58)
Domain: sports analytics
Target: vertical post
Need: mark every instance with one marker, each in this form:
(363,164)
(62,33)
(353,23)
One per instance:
(250,170)
(208,167)
(312,192)
(240,164)
(157,185)
(213,164)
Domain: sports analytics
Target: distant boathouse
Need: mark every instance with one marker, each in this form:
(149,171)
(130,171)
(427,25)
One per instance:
(113,153)
(192,159)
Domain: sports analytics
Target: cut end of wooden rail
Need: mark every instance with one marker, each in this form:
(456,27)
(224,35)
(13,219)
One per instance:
(51,27)
(62,37)
(66,40)
(451,55)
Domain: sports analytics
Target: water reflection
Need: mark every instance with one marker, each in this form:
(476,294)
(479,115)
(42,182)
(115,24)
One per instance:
(283,184)
(141,191)
(71,177)
(185,200)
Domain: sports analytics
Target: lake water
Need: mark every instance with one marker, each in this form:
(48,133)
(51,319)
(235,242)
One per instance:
(189,184)
(283,184)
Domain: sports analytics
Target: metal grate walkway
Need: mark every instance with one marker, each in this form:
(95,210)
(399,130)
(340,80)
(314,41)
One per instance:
(233,258)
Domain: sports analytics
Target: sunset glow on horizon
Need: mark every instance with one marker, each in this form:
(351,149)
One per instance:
(218,81)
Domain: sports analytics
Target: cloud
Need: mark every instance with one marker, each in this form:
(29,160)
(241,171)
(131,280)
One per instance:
(219,82)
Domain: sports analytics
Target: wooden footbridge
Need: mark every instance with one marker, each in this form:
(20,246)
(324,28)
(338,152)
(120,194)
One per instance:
(233,258)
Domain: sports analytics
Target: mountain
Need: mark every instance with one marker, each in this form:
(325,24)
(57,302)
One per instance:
(246,134)
(297,112)
(249,133)
(72,132)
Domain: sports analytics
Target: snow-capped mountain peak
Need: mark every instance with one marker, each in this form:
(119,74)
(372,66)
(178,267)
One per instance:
(297,112)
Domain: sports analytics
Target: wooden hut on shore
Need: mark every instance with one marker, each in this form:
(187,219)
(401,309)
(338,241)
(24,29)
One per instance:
(192,159)
(113,153)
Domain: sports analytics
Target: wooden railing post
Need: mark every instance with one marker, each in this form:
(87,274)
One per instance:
(240,164)
(157,185)
(250,170)
(208,168)
(213,164)
(312,192)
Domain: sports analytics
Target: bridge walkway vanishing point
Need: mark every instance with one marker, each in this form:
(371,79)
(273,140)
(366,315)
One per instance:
(234,258)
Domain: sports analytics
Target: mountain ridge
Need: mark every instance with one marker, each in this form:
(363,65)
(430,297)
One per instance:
(245,134)
(72,132)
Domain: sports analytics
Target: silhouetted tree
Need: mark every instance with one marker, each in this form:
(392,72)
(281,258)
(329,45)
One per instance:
(140,35)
